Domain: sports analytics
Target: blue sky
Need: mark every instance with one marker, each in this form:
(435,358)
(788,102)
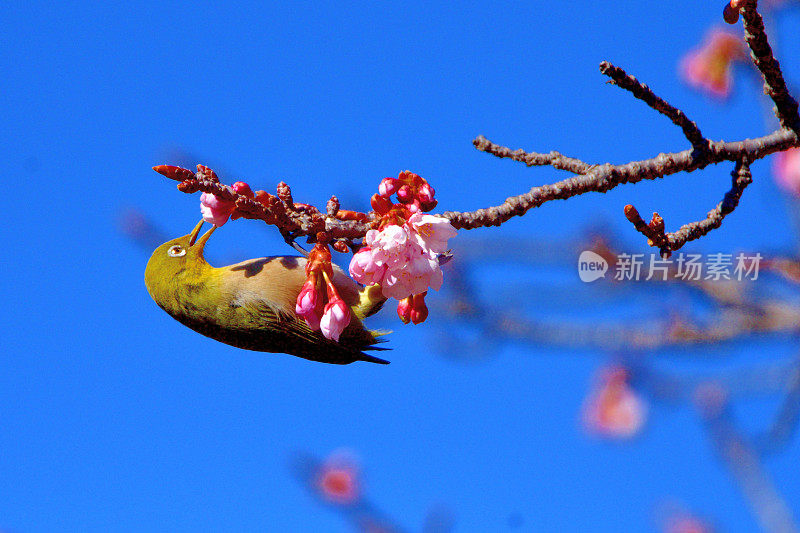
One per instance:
(113,417)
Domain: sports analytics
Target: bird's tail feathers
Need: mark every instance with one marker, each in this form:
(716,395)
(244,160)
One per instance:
(373,359)
(377,336)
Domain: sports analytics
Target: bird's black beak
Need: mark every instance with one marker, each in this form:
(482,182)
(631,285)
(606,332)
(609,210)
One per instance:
(195,232)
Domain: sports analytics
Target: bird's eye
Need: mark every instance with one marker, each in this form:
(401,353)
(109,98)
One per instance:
(176,251)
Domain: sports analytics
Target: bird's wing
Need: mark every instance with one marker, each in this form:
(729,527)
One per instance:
(285,331)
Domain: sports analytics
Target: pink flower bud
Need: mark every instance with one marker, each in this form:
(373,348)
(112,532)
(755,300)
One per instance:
(214,210)
(405,194)
(308,304)
(388,187)
(335,318)
(414,207)
(419,311)
(404,310)
(242,188)
(425,193)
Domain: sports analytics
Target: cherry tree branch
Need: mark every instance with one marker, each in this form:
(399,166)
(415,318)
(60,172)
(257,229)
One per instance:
(669,242)
(761,53)
(604,177)
(299,219)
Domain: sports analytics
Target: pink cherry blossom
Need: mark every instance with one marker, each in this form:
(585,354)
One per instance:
(413,275)
(786,169)
(308,303)
(404,259)
(335,318)
(431,232)
(614,409)
(709,68)
(364,269)
(214,210)
(389,246)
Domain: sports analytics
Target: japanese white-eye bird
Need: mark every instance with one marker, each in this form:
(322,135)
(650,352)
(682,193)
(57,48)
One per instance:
(251,304)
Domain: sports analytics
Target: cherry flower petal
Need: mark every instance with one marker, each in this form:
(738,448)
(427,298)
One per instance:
(431,232)
(364,269)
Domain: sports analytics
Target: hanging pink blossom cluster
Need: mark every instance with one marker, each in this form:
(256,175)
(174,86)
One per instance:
(322,311)
(402,255)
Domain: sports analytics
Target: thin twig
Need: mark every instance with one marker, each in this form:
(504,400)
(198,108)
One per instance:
(645,94)
(669,242)
(532,159)
(741,178)
(761,53)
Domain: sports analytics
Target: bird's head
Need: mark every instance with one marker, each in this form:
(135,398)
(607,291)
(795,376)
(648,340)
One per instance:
(180,256)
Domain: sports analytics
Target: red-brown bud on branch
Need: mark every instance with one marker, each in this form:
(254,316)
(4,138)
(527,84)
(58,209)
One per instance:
(242,188)
(285,194)
(174,173)
(333,206)
(380,204)
(206,173)
(730,13)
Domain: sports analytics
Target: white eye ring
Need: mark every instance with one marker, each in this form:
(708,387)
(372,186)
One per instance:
(176,251)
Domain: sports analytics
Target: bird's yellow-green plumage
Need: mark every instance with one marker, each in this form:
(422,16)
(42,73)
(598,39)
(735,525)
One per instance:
(251,304)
